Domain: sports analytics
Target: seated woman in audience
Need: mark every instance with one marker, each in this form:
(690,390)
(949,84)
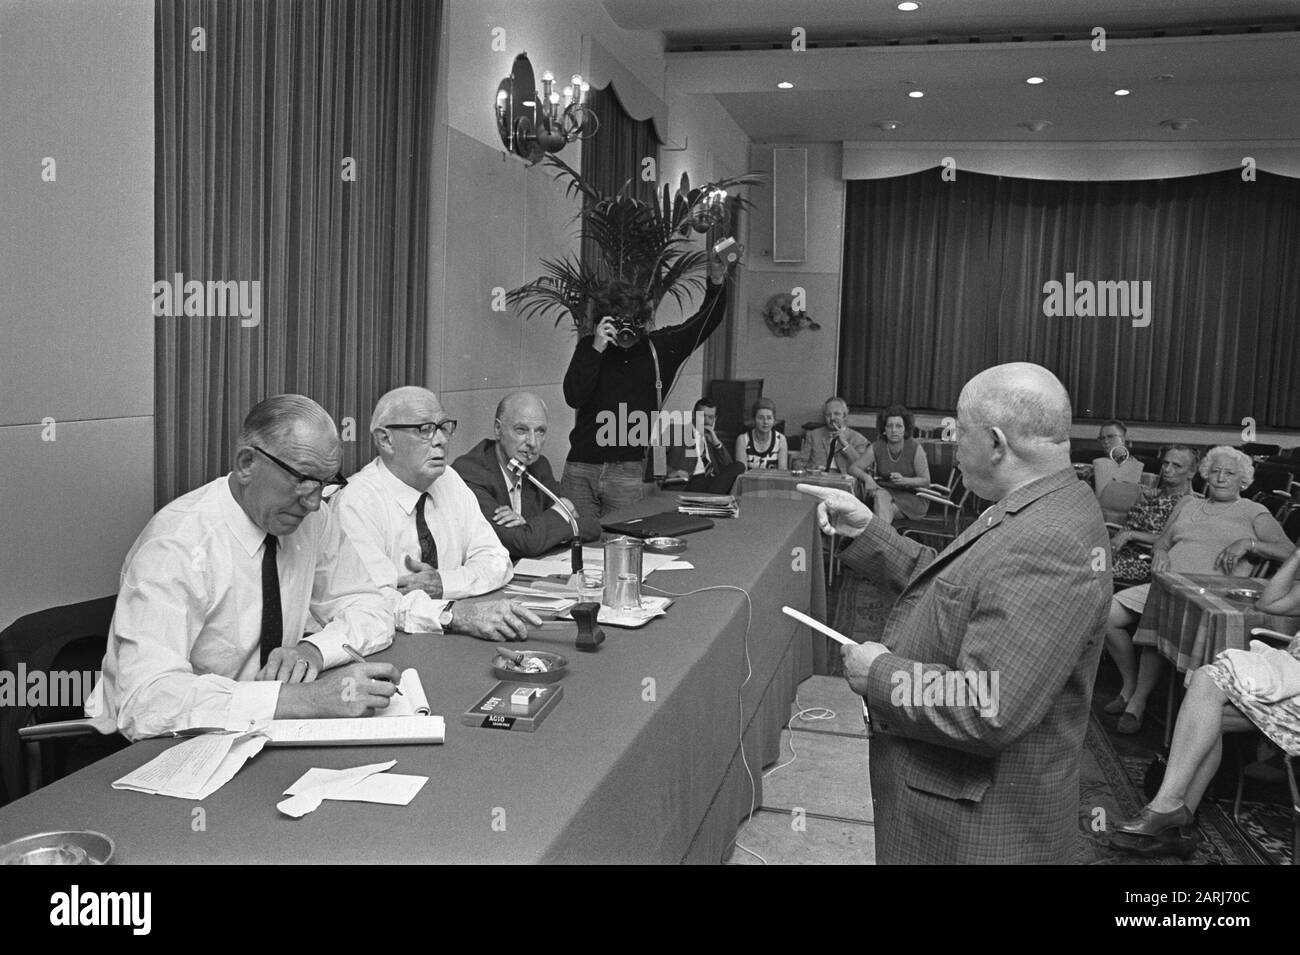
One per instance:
(762,446)
(1218,534)
(1117,475)
(1241,688)
(1148,517)
(896,458)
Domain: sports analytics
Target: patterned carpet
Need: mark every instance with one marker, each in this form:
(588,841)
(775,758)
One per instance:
(1110,785)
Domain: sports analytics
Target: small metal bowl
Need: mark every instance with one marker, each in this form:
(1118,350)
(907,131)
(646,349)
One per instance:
(65,847)
(1243,593)
(665,545)
(507,669)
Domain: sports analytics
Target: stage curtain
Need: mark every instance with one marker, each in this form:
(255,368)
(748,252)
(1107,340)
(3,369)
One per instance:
(944,278)
(293,145)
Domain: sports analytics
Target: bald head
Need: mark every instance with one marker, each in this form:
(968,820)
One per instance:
(1014,426)
(1026,401)
(520,402)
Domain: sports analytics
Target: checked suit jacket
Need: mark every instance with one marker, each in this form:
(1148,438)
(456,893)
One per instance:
(546,529)
(1023,593)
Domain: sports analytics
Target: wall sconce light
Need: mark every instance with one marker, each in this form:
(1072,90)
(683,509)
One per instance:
(532,123)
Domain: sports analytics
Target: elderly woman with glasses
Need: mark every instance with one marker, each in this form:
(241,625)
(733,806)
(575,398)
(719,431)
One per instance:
(1240,689)
(1221,533)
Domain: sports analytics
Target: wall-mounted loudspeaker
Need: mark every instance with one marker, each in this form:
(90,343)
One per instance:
(789,204)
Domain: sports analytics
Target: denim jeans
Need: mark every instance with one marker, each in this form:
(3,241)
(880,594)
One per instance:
(602,488)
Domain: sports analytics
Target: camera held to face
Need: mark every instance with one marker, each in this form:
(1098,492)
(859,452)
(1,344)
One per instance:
(627,331)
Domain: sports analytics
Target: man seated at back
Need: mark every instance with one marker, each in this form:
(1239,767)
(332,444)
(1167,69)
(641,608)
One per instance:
(419,530)
(836,446)
(526,521)
(217,589)
(701,462)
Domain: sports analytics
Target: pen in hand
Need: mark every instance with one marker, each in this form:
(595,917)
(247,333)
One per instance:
(360,659)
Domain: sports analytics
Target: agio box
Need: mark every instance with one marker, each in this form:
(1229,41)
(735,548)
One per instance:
(514,706)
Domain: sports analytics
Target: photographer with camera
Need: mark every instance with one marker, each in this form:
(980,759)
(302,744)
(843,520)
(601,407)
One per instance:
(616,382)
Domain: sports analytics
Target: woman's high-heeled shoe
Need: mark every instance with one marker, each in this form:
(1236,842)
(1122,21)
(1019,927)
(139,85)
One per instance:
(1151,823)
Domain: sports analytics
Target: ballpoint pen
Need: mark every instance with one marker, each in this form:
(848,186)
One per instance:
(360,659)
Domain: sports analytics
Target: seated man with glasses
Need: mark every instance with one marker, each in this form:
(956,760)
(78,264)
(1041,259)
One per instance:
(218,588)
(418,527)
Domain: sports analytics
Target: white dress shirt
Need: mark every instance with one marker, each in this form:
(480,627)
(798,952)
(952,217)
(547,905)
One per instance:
(185,640)
(378,512)
(514,489)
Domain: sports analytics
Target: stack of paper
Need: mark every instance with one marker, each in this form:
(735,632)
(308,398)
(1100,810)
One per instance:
(593,559)
(708,505)
(196,768)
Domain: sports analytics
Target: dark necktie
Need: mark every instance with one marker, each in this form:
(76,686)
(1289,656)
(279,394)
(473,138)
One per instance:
(428,549)
(272,622)
(833,450)
(707,458)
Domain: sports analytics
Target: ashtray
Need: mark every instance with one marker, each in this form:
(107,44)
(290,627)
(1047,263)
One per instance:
(665,545)
(1243,593)
(536,666)
(65,847)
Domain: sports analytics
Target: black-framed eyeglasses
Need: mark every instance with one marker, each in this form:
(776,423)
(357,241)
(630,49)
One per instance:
(426,430)
(306,486)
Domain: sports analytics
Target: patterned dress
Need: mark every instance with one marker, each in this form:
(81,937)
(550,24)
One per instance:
(1148,516)
(1279,721)
(762,460)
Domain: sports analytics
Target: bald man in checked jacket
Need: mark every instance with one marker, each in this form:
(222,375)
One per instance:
(1016,607)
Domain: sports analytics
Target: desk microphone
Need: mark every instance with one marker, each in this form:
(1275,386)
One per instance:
(575,546)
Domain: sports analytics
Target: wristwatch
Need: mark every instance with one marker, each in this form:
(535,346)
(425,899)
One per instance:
(444,618)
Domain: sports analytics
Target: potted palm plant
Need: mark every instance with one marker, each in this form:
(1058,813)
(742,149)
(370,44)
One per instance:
(643,250)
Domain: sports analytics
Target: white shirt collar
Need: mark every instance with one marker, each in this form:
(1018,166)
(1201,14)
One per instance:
(405,495)
(245,531)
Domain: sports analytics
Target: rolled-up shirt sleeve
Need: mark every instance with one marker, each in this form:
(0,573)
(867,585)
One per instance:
(156,621)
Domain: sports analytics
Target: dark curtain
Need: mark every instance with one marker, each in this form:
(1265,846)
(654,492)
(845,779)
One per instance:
(293,151)
(942,279)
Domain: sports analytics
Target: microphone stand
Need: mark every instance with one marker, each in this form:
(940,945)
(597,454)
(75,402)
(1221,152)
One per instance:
(586,615)
(575,543)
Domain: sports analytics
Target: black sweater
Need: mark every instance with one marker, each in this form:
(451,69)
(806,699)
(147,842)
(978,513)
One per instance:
(600,381)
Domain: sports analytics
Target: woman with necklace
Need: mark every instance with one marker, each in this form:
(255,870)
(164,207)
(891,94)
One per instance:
(1221,533)
(763,447)
(896,458)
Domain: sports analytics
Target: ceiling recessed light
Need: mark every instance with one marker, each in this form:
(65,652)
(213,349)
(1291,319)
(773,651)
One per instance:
(1035,80)
(1122,92)
(907,6)
(888,125)
(785,85)
(916,94)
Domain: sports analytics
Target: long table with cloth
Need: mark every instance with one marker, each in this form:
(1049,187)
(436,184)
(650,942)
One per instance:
(623,769)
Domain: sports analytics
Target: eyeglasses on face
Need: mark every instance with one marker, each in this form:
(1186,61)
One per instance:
(306,486)
(427,429)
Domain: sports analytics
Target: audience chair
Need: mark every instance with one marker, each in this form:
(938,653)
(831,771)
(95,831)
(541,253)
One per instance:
(60,639)
(949,510)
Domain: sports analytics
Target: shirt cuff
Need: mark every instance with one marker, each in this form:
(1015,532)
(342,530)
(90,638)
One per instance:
(252,702)
(417,612)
